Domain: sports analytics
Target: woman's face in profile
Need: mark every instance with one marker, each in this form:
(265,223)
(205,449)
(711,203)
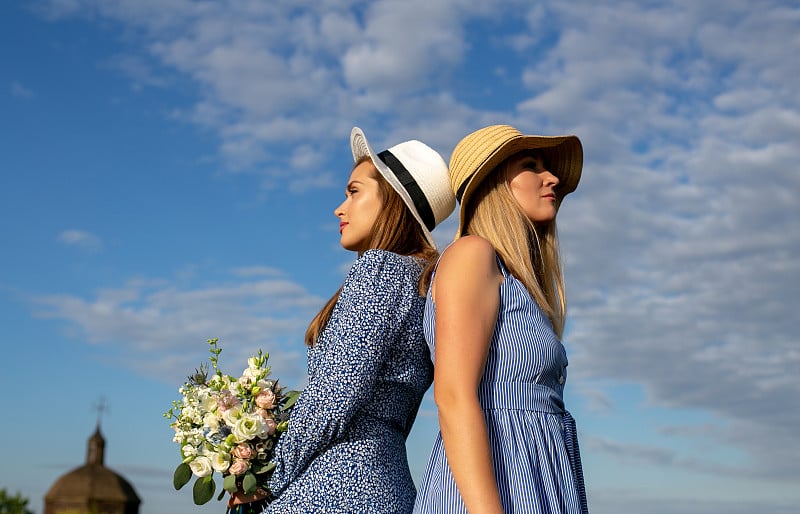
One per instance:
(360,209)
(532,185)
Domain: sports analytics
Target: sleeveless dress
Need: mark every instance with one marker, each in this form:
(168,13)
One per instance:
(533,439)
(345,448)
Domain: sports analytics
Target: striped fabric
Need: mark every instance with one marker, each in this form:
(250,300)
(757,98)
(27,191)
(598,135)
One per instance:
(533,439)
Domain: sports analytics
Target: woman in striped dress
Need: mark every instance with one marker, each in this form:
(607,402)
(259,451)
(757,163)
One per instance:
(493,319)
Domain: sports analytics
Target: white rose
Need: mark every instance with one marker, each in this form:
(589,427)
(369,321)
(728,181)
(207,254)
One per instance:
(207,401)
(231,416)
(201,466)
(264,383)
(211,421)
(220,461)
(248,427)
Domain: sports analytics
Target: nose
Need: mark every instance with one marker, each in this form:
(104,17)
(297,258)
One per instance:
(549,178)
(339,211)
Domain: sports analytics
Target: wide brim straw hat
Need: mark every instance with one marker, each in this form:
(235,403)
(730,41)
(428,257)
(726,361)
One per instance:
(482,151)
(419,175)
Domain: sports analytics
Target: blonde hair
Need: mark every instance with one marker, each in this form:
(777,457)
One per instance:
(395,230)
(528,250)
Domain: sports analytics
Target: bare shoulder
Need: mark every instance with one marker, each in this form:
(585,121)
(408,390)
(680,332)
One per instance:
(470,262)
(469,252)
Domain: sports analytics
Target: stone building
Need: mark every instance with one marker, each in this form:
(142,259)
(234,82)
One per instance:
(92,488)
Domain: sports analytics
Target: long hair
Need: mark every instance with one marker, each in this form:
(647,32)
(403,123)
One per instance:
(395,230)
(529,250)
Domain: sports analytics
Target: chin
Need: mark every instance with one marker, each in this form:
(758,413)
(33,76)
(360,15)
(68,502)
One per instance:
(544,220)
(350,247)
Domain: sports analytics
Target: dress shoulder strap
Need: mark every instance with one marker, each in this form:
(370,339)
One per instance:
(501,265)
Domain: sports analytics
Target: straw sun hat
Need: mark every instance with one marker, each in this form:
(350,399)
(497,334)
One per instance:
(479,153)
(418,174)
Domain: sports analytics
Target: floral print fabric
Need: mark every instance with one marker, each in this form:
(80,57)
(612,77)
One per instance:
(345,450)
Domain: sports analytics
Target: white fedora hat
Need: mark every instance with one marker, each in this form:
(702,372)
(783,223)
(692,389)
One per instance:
(418,174)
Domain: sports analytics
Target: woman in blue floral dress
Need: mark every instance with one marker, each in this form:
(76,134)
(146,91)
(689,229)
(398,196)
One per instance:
(494,318)
(368,363)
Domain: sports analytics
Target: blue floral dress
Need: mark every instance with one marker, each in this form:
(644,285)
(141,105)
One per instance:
(533,440)
(345,448)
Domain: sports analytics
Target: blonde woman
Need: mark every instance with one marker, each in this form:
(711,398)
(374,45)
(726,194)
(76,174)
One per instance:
(494,318)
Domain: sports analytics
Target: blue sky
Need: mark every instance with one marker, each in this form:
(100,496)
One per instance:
(169,171)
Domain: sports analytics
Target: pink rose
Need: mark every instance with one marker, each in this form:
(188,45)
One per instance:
(264,414)
(239,467)
(271,425)
(265,399)
(243,451)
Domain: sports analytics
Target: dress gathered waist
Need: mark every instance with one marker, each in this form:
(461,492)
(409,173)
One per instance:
(529,396)
(520,396)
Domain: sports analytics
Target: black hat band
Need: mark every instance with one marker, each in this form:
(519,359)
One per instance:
(407,180)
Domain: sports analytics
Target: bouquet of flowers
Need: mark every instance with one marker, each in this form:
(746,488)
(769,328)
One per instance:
(230,426)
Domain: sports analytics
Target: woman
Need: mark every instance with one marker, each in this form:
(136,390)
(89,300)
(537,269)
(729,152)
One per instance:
(368,363)
(494,318)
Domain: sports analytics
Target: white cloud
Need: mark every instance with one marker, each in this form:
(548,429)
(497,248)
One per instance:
(20,91)
(390,57)
(306,157)
(320,181)
(80,238)
(143,317)
(272,74)
(139,70)
(254,271)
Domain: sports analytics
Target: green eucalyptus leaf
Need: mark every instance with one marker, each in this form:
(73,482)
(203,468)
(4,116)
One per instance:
(229,483)
(203,490)
(249,483)
(183,473)
(291,397)
(264,468)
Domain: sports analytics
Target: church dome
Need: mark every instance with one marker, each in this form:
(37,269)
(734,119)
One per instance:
(92,487)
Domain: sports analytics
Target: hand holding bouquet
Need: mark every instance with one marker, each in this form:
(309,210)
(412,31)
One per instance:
(229,426)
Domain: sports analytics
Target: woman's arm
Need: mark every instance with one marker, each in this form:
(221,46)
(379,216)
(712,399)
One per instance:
(467,294)
(371,308)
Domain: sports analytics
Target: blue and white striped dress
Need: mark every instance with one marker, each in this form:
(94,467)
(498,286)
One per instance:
(533,439)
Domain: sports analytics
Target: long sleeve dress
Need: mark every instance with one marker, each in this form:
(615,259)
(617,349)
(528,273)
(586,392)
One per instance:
(533,440)
(344,450)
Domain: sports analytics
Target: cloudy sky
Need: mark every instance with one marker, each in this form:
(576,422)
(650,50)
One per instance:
(169,170)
